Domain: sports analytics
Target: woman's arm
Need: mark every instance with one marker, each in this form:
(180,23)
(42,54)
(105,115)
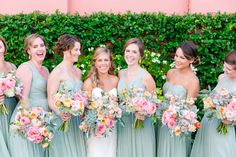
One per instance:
(24,73)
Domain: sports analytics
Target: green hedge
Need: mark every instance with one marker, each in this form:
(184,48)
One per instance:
(215,36)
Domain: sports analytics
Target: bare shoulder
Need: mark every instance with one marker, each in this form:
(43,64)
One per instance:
(193,86)
(114,79)
(170,73)
(11,66)
(56,71)
(195,80)
(221,76)
(121,72)
(87,85)
(78,72)
(24,68)
(147,75)
(88,81)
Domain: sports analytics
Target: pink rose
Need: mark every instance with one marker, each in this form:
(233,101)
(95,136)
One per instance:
(34,135)
(24,120)
(109,122)
(78,96)
(10,82)
(232,106)
(151,108)
(101,128)
(38,110)
(171,124)
(3,85)
(191,116)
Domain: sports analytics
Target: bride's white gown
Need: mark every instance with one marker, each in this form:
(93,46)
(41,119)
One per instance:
(102,146)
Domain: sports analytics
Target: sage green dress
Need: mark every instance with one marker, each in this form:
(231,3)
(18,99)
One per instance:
(133,142)
(208,142)
(10,103)
(19,146)
(71,143)
(169,145)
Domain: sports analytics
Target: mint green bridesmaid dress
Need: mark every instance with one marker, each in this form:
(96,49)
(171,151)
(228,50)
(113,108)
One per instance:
(169,145)
(10,104)
(133,142)
(19,146)
(71,143)
(208,142)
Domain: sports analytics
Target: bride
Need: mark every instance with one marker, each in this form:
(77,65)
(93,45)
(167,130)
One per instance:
(101,78)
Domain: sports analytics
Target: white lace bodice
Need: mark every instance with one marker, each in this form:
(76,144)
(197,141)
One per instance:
(97,92)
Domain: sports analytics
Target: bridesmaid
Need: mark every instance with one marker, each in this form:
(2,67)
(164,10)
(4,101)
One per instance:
(208,141)
(34,78)
(181,82)
(135,142)
(70,143)
(10,103)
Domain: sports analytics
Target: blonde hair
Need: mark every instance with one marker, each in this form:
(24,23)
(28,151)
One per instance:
(93,73)
(29,40)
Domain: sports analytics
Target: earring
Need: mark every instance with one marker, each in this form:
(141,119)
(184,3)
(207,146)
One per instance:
(193,68)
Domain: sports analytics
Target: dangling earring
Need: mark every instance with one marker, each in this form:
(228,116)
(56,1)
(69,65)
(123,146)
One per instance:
(29,57)
(193,68)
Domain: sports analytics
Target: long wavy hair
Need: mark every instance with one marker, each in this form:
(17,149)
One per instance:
(93,73)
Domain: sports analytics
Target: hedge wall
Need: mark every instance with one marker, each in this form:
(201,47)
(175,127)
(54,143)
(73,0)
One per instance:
(215,36)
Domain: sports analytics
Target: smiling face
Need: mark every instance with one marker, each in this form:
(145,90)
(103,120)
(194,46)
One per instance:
(37,50)
(74,53)
(103,63)
(229,70)
(132,54)
(180,60)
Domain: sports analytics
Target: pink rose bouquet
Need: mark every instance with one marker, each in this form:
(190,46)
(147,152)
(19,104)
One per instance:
(101,115)
(180,115)
(35,124)
(10,86)
(140,102)
(69,102)
(221,105)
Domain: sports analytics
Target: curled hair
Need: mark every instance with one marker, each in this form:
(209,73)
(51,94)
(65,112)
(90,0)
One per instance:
(4,43)
(93,73)
(231,59)
(65,42)
(138,42)
(190,52)
(29,40)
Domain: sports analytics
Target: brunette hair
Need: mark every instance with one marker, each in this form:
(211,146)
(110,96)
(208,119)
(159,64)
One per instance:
(138,42)
(65,42)
(189,49)
(230,58)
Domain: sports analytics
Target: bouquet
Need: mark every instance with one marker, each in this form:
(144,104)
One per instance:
(180,115)
(35,124)
(101,115)
(69,102)
(140,102)
(222,105)
(10,86)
